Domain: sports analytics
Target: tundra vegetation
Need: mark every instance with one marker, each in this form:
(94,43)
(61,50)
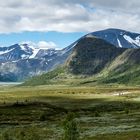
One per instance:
(60,112)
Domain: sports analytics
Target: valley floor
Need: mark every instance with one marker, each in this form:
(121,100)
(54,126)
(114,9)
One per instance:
(37,113)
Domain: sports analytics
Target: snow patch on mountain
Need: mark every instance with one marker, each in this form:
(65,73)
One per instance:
(35,51)
(119,43)
(137,40)
(23,56)
(6,51)
(89,36)
(22,47)
(132,41)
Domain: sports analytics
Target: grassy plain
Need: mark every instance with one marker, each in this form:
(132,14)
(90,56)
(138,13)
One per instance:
(37,113)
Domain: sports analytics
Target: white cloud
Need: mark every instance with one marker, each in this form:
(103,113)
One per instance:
(41,44)
(44,44)
(68,15)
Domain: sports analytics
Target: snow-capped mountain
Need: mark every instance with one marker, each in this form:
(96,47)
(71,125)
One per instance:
(14,52)
(23,51)
(119,38)
(20,61)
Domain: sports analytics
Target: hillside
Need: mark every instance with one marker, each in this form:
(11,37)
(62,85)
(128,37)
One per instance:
(125,69)
(91,55)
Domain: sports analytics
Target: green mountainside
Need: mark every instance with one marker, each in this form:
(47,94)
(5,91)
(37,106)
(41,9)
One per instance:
(94,61)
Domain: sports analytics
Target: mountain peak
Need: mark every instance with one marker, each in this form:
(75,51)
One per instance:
(119,38)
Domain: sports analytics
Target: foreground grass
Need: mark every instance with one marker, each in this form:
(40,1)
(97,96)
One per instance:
(30,113)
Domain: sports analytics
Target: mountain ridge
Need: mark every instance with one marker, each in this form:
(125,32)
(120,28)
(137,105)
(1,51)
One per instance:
(25,61)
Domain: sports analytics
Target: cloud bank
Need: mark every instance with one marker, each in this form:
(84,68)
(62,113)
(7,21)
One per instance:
(68,16)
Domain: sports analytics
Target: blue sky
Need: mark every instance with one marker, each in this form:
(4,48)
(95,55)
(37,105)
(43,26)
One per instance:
(60,22)
(59,38)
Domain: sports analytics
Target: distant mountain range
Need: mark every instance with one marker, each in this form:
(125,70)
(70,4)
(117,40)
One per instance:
(23,51)
(21,61)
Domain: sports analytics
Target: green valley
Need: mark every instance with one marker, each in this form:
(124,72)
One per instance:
(101,112)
